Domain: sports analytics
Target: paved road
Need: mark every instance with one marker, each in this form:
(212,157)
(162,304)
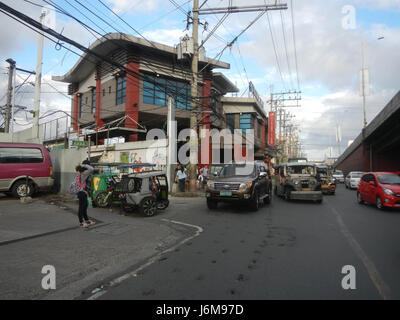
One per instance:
(286,250)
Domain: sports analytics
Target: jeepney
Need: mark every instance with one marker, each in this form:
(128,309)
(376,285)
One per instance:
(328,184)
(297,181)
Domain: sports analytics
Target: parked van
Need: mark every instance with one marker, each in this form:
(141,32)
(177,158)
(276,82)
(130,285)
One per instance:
(22,162)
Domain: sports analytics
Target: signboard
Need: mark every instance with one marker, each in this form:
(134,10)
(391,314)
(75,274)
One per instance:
(271,128)
(76,143)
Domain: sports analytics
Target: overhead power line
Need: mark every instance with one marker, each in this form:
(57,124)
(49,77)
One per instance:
(294,44)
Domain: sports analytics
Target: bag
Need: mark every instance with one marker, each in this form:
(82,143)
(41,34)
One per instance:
(74,187)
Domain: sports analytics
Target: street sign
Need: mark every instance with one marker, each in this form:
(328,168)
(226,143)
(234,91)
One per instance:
(271,129)
(76,143)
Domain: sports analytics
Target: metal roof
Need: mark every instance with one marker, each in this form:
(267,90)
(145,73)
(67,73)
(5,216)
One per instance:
(107,44)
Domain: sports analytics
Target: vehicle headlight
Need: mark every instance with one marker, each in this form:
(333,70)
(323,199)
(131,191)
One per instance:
(210,184)
(244,186)
(388,191)
(296,183)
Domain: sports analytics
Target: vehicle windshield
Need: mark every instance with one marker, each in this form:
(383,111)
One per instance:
(356,174)
(236,169)
(300,170)
(215,169)
(338,172)
(389,178)
(322,171)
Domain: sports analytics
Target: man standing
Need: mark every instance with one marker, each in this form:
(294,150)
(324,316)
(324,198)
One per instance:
(181,177)
(204,174)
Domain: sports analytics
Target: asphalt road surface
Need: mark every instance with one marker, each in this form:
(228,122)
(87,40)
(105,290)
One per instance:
(286,250)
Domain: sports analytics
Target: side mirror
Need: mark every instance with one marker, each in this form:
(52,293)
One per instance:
(215,173)
(262,174)
(372,183)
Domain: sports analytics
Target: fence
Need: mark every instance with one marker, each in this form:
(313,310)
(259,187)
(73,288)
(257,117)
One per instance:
(55,129)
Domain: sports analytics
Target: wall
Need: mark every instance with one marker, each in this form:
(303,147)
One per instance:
(64,163)
(24,136)
(355,161)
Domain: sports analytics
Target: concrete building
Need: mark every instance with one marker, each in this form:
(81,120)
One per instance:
(247,113)
(102,93)
(137,100)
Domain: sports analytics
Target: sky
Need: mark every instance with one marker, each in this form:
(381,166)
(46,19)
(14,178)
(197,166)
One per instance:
(327,42)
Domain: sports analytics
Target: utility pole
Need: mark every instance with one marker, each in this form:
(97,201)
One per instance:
(194,102)
(38,82)
(11,71)
(195,60)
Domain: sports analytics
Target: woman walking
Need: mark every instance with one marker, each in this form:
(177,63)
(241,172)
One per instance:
(85,171)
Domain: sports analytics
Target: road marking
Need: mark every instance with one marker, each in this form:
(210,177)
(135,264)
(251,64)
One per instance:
(155,258)
(373,273)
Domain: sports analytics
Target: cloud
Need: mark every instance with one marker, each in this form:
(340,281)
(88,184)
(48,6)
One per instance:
(169,37)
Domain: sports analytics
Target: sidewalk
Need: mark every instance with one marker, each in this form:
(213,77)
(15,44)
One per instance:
(46,233)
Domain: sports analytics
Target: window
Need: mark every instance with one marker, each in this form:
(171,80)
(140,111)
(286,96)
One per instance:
(93,100)
(80,106)
(121,90)
(157,89)
(20,155)
(86,100)
(245,122)
(230,122)
(104,92)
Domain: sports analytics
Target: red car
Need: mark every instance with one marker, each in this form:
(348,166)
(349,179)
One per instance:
(20,162)
(380,188)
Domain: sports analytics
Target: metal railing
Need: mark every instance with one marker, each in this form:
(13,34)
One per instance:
(56,129)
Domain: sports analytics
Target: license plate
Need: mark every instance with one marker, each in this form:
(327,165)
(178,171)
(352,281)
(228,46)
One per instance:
(225,193)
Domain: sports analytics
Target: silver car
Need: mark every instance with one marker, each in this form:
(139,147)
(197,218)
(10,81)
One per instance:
(353,179)
(338,176)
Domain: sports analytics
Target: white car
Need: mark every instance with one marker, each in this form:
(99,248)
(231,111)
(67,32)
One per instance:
(353,179)
(338,176)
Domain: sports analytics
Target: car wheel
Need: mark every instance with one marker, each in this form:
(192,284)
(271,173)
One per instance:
(359,198)
(101,201)
(21,189)
(255,203)
(379,203)
(148,207)
(212,204)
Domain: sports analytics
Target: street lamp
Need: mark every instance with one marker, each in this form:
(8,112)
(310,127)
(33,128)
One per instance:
(364,78)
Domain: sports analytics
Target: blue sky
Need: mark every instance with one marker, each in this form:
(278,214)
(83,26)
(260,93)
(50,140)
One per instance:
(328,56)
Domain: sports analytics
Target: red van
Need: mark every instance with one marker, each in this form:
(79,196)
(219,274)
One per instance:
(22,161)
(380,188)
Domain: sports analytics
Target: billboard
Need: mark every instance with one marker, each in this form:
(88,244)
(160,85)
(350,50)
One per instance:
(271,128)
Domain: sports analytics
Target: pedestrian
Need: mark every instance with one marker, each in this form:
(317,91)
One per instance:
(204,175)
(181,177)
(85,170)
